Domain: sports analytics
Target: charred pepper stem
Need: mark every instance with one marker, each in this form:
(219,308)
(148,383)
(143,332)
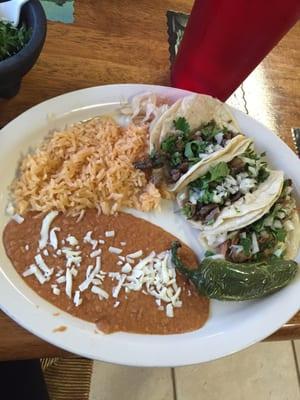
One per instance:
(177,260)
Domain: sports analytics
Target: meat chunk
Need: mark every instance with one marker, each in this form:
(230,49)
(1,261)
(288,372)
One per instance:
(184,167)
(238,256)
(203,211)
(236,197)
(236,165)
(208,212)
(223,248)
(213,215)
(175,174)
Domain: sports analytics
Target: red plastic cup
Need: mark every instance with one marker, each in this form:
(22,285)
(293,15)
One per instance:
(226,39)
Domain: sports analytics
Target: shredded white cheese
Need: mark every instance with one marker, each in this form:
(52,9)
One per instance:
(74,271)
(88,239)
(68,283)
(136,254)
(47,221)
(88,270)
(109,233)
(72,240)
(18,218)
(43,266)
(61,279)
(53,237)
(77,300)
(116,289)
(95,253)
(169,310)
(100,292)
(85,284)
(154,275)
(126,268)
(114,250)
(30,270)
(56,291)
(72,256)
(40,277)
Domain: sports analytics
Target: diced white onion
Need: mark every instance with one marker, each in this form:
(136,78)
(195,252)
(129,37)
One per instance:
(255,246)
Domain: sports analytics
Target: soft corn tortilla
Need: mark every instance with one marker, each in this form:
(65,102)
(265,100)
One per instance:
(196,109)
(248,208)
(293,238)
(235,148)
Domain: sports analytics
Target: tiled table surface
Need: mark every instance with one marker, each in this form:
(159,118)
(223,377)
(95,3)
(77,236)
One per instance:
(266,371)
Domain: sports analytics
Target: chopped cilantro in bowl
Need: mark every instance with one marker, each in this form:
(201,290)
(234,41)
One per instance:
(12,39)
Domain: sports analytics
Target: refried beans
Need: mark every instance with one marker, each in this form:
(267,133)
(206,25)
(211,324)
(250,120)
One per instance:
(131,311)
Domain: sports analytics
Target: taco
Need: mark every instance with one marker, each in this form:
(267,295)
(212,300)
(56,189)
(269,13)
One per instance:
(239,186)
(193,132)
(276,234)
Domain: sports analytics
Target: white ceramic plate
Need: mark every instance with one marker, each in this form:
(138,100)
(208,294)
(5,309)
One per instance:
(231,326)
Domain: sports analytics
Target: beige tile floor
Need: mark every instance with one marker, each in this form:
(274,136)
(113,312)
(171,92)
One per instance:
(266,371)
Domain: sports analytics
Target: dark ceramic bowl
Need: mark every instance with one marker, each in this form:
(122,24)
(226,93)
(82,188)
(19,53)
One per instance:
(14,68)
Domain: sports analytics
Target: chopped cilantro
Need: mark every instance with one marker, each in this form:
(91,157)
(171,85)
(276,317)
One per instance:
(250,153)
(258,226)
(193,148)
(246,243)
(263,174)
(156,159)
(169,144)
(187,210)
(215,174)
(280,234)
(210,222)
(175,159)
(182,125)
(207,197)
(12,39)
(209,253)
(219,171)
(210,129)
